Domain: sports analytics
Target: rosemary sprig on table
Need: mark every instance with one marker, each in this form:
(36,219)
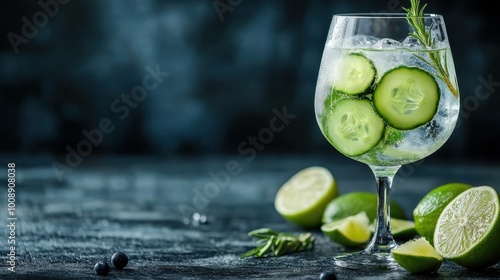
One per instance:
(278,244)
(415,16)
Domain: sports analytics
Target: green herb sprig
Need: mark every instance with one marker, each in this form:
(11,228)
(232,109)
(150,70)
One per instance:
(278,244)
(415,17)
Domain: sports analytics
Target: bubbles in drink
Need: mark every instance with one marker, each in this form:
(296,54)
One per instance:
(362,41)
(401,146)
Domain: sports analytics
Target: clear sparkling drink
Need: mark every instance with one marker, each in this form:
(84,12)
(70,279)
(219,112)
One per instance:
(384,102)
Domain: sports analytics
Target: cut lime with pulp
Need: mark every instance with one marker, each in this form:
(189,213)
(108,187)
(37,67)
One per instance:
(352,231)
(418,256)
(432,204)
(303,198)
(468,230)
(402,229)
(354,202)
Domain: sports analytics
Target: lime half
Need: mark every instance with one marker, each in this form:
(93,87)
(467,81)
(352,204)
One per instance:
(418,256)
(352,231)
(468,230)
(303,198)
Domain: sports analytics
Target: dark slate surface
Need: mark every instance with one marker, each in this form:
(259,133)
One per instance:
(132,205)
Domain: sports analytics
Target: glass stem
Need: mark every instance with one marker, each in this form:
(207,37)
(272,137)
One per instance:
(382,241)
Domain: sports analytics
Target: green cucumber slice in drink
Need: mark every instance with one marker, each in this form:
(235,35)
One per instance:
(356,74)
(353,126)
(406,97)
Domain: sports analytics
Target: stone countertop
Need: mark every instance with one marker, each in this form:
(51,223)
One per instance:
(143,207)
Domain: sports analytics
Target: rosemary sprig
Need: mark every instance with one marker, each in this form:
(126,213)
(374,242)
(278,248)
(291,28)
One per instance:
(415,17)
(278,244)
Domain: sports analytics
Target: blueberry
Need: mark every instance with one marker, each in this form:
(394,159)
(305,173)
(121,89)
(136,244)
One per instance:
(101,268)
(119,260)
(327,275)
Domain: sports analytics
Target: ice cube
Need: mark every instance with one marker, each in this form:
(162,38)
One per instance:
(437,33)
(362,41)
(411,42)
(387,43)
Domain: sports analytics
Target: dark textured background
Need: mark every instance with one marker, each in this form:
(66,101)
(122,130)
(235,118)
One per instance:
(227,72)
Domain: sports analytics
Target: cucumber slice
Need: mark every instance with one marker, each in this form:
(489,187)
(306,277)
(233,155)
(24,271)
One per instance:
(356,74)
(353,127)
(406,97)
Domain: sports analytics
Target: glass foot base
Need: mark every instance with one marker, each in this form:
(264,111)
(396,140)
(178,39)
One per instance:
(366,261)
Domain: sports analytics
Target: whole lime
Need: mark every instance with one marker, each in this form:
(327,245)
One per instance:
(352,203)
(432,204)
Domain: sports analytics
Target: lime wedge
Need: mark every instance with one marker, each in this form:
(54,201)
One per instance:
(401,229)
(303,198)
(468,230)
(418,256)
(352,231)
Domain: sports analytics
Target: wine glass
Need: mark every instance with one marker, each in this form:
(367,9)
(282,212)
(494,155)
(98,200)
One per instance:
(386,95)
